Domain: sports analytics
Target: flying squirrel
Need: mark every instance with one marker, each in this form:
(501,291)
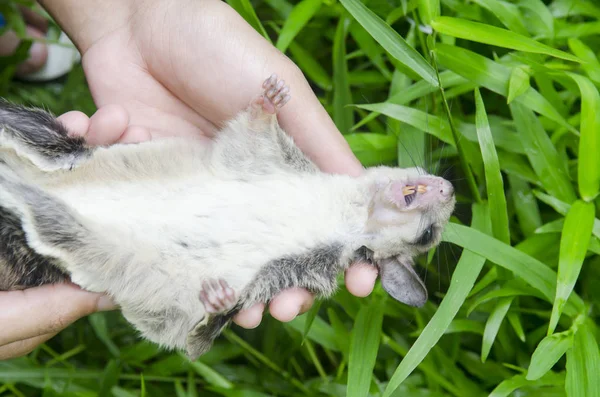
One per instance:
(183,234)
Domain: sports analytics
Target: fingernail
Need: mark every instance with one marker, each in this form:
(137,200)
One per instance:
(105,303)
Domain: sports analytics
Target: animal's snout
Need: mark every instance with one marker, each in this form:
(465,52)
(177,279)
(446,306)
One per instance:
(446,188)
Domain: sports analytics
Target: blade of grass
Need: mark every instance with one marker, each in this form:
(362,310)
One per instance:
(142,385)
(566,8)
(517,166)
(578,30)
(525,204)
(495,77)
(515,322)
(416,91)
(405,9)
(493,177)
(109,378)
(98,323)
(429,10)
(411,147)
(428,123)
(265,360)
(245,9)
(459,326)
(583,365)
(373,149)
(563,208)
(510,289)
(302,12)
(487,34)
(373,51)
(342,336)
(589,139)
(574,243)
(282,7)
(531,270)
(463,279)
(310,318)
(342,114)
(310,66)
(390,40)
(211,376)
(507,387)
(14,18)
(542,154)
(457,142)
(364,345)
(591,65)
(548,352)
(507,13)
(492,326)
(518,84)
(320,332)
(538,12)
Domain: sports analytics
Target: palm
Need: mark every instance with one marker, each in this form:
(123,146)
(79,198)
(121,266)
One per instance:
(118,74)
(179,82)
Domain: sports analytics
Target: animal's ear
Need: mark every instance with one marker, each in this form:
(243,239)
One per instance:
(399,279)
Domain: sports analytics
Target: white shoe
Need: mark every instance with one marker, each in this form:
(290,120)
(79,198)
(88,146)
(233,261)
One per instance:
(61,58)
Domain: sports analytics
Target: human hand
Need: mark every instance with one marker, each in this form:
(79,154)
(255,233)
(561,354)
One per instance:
(32,316)
(183,68)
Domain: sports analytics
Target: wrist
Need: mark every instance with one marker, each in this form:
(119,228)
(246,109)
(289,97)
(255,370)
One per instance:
(87,21)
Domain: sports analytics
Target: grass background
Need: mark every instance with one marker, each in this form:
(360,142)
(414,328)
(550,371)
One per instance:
(501,97)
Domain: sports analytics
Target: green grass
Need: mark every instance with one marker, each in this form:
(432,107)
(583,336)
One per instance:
(501,97)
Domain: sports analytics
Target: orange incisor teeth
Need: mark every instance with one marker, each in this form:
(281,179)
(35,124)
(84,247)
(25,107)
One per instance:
(421,188)
(406,190)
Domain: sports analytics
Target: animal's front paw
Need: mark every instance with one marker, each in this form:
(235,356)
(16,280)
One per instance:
(217,296)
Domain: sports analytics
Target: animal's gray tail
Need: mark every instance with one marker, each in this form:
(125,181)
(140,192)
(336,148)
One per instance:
(38,131)
(27,213)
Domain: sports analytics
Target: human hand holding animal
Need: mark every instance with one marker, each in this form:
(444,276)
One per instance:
(151,69)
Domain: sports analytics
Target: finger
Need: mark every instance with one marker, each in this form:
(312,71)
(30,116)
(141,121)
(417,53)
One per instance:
(107,125)
(77,123)
(251,317)
(34,19)
(360,279)
(38,52)
(135,134)
(286,305)
(46,309)
(23,347)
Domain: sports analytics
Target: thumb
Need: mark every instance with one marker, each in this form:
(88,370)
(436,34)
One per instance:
(46,309)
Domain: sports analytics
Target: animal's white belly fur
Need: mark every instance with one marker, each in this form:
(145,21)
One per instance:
(210,224)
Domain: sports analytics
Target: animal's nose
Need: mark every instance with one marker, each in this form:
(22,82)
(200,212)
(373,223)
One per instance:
(446,188)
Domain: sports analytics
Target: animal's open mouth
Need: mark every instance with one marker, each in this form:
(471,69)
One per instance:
(410,192)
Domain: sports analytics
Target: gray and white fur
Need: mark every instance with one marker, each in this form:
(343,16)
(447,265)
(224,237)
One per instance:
(184,234)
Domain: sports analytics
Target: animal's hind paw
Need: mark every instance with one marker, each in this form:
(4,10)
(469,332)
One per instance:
(217,296)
